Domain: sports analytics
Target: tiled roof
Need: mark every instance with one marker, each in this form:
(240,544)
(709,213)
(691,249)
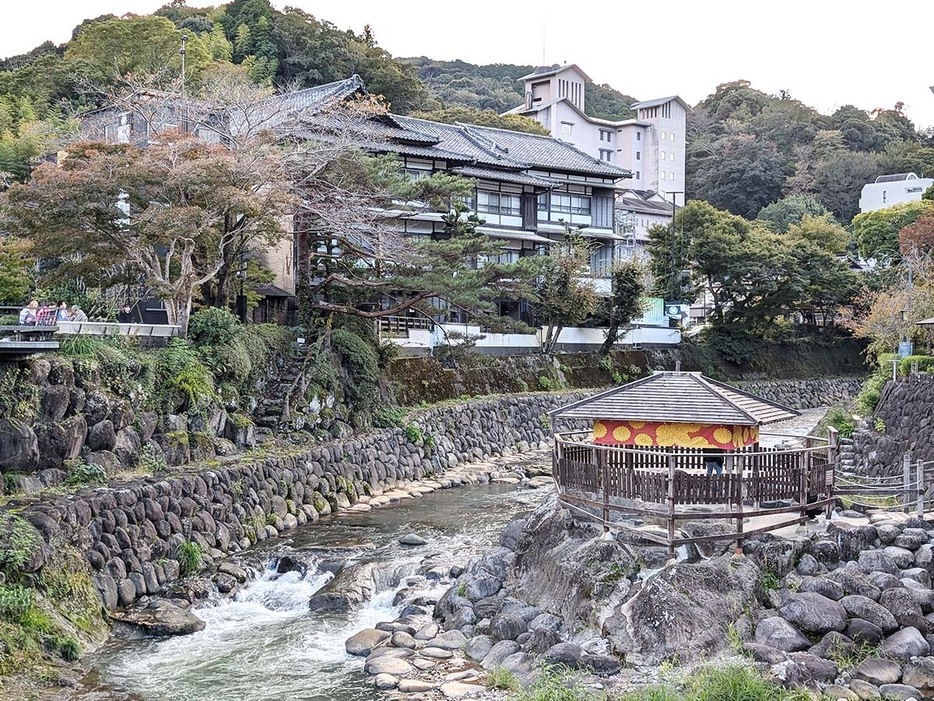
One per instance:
(896,177)
(679,397)
(313,99)
(504,176)
(641,201)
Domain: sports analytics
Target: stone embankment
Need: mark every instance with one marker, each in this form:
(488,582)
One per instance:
(900,424)
(805,394)
(848,612)
(132,534)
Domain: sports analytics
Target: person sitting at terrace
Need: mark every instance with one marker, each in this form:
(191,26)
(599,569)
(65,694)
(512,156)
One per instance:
(62,313)
(77,314)
(125,315)
(27,315)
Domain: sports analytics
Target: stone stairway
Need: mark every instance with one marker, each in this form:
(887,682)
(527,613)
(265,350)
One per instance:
(847,455)
(274,404)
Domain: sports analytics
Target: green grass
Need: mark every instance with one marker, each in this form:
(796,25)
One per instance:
(501,678)
(557,683)
(189,557)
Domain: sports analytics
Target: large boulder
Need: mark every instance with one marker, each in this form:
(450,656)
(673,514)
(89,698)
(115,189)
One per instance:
(876,561)
(905,644)
(775,632)
(899,692)
(877,670)
(904,608)
(814,613)
(160,618)
(565,654)
(854,581)
(919,673)
(498,653)
(19,447)
(361,644)
(865,608)
(821,585)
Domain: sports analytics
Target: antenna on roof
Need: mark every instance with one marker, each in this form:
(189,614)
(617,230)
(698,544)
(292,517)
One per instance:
(677,366)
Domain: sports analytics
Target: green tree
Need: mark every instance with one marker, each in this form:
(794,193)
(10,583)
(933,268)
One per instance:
(15,264)
(138,45)
(780,215)
(876,232)
(168,211)
(839,178)
(822,231)
(624,303)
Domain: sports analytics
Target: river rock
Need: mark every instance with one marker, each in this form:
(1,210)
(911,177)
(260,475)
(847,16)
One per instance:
(450,640)
(519,663)
(427,632)
(567,654)
(388,665)
(436,653)
(478,647)
(459,690)
(361,644)
(902,557)
(854,581)
(812,668)
(482,587)
(903,607)
(877,670)
(385,682)
(507,626)
(821,585)
(412,540)
(905,644)
(775,632)
(403,639)
(900,692)
(841,693)
(864,690)
(161,618)
(864,608)
(861,631)
(919,673)
(764,653)
(414,686)
(499,652)
(814,613)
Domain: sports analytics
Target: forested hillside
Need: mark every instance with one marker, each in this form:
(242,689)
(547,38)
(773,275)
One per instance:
(746,149)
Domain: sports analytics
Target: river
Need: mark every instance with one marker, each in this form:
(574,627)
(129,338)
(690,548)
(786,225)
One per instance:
(264,645)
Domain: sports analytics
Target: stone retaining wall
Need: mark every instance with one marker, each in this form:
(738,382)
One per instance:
(131,534)
(805,394)
(899,425)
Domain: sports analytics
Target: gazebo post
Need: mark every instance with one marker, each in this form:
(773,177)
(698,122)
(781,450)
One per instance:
(601,481)
(738,498)
(671,503)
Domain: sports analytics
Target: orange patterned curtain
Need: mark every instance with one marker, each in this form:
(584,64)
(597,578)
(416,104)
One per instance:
(674,434)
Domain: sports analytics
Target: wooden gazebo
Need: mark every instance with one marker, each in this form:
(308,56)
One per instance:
(649,451)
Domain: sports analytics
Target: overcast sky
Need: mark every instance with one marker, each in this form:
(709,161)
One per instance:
(826,53)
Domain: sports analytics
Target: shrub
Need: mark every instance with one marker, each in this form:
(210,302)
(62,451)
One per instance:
(152,461)
(85,473)
(879,425)
(16,602)
(181,378)
(361,365)
(502,678)
(68,649)
(841,420)
(545,383)
(925,364)
(18,540)
(213,326)
(189,557)
(413,433)
(387,416)
(19,395)
(78,346)
(557,683)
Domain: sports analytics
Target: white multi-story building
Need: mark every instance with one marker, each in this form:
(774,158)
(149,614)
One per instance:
(652,145)
(892,189)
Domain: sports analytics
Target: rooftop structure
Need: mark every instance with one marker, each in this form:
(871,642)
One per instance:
(888,190)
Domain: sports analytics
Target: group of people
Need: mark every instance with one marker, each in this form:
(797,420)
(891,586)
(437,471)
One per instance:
(34,314)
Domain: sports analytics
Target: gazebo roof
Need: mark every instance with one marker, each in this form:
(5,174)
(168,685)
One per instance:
(677,397)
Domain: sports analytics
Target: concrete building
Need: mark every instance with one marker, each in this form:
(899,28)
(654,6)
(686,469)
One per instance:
(652,145)
(887,190)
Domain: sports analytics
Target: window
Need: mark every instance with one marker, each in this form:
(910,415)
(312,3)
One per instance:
(606,135)
(543,202)
(638,175)
(666,111)
(566,128)
(663,136)
(661,175)
(606,155)
(671,155)
(414,174)
(498,203)
(570,204)
(638,155)
(671,175)
(662,152)
(671,137)
(912,189)
(883,197)
(638,136)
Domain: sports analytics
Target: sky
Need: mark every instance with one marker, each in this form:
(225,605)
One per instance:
(826,53)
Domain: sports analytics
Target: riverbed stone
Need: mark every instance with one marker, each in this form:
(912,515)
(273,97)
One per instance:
(427,632)
(478,647)
(507,626)
(412,539)
(450,640)
(821,585)
(499,652)
(878,670)
(861,631)
(864,608)
(361,644)
(904,608)
(436,653)
(388,665)
(161,618)
(905,643)
(841,693)
(814,613)
(408,686)
(566,654)
(482,587)
(385,682)
(864,690)
(919,673)
(460,690)
(403,639)
(777,633)
(900,692)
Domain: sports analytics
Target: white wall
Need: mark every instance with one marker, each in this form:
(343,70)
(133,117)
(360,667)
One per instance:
(881,195)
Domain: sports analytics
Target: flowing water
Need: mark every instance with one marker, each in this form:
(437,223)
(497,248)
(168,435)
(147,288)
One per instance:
(264,645)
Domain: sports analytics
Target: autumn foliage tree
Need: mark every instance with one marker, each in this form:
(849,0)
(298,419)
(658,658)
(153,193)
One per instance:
(166,213)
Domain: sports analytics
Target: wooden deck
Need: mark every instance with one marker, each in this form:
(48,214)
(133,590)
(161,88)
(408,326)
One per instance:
(613,484)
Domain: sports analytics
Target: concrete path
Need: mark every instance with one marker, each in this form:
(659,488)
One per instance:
(800,426)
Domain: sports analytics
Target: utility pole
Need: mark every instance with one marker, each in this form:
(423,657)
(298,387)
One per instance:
(182,53)
(675,272)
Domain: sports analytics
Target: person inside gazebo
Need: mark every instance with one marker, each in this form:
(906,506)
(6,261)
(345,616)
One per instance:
(713,461)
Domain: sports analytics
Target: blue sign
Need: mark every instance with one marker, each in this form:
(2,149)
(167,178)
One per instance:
(905,349)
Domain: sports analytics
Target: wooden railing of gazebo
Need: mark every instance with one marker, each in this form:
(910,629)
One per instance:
(606,483)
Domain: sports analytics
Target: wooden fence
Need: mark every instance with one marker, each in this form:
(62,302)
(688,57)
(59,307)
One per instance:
(609,483)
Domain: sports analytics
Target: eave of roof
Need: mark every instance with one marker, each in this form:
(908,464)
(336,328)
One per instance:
(677,397)
(661,101)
